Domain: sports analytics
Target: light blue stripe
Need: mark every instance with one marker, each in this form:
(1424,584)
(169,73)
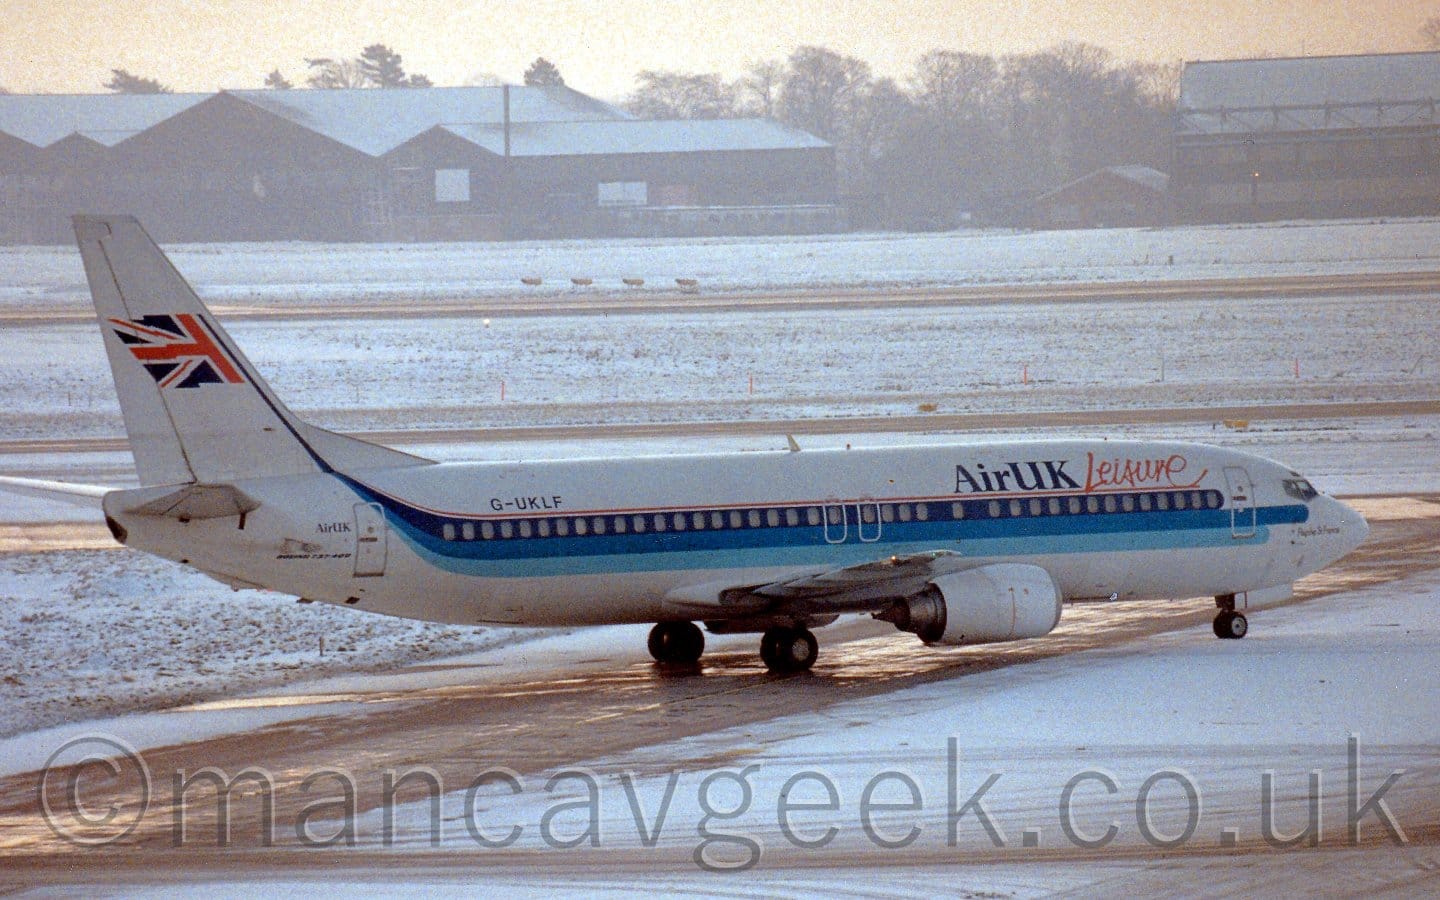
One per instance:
(837,555)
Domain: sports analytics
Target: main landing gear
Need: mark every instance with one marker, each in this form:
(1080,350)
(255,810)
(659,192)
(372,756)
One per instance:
(1229,624)
(677,643)
(784,649)
(788,649)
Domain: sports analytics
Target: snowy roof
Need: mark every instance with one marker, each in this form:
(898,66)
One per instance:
(375,121)
(43,119)
(370,120)
(636,136)
(1144,176)
(1309,93)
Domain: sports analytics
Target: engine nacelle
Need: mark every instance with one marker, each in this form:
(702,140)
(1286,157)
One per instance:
(986,605)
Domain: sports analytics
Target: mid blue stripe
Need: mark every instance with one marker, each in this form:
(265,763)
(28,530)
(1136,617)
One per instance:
(667,559)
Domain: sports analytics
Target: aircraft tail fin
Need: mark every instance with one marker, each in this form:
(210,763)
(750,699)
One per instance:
(195,409)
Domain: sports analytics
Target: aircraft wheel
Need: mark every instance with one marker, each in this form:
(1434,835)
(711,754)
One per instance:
(678,643)
(1231,625)
(788,649)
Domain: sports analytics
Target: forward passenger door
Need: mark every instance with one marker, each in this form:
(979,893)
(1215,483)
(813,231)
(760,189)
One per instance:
(1242,502)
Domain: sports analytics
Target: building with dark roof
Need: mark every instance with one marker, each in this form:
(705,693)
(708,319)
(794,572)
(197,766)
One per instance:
(437,163)
(1334,136)
(1112,197)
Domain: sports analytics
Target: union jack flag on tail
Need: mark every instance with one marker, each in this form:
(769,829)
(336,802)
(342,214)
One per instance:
(179,351)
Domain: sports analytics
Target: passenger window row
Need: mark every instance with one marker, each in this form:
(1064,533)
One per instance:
(1091,504)
(831,516)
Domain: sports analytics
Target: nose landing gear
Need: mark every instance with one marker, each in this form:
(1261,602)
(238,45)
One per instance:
(1229,624)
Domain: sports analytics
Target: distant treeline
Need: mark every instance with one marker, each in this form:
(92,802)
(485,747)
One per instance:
(964,132)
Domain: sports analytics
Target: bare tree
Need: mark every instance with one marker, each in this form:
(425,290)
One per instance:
(543,72)
(1160,82)
(954,85)
(676,95)
(819,89)
(122,82)
(759,91)
(277,82)
(947,157)
(879,118)
(335,74)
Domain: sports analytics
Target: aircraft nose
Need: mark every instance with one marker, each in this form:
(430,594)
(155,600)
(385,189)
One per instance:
(1352,527)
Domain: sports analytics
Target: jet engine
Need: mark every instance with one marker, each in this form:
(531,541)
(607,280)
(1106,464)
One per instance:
(985,605)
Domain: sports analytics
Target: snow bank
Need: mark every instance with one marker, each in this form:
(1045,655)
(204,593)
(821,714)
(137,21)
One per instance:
(93,634)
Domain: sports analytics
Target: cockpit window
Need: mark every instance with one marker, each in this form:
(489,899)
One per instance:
(1300,489)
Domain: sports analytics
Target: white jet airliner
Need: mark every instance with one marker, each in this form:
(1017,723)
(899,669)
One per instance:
(959,544)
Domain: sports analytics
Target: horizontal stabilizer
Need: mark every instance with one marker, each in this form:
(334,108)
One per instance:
(80,494)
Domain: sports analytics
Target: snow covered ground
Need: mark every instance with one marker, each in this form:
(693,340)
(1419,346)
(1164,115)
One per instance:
(357,374)
(728,365)
(1213,715)
(1169,741)
(94,633)
(298,273)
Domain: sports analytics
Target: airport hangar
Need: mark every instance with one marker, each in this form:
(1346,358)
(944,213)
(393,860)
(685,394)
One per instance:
(1307,137)
(466,163)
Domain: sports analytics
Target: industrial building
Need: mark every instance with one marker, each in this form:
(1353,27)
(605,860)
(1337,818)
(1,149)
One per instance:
(1336,136)
(1112,197)
(414,164)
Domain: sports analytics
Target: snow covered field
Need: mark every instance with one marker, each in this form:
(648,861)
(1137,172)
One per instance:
(95,633)
(378,373)
(297,273)
(364,374)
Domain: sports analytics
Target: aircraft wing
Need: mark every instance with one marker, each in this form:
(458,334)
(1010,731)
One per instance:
(863,587)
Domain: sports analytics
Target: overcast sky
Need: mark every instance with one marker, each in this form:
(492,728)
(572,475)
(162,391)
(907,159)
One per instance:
(65,46)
